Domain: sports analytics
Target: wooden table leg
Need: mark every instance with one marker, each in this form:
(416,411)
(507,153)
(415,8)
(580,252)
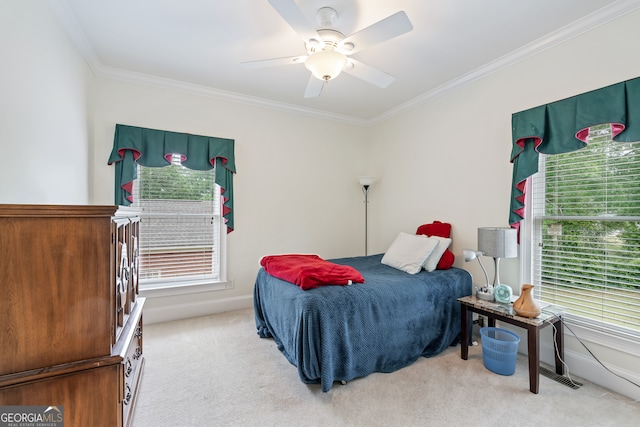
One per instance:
(533,339)
(464,332)
(559,341)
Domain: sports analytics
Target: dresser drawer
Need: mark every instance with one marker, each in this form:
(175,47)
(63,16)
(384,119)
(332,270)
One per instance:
(70,315)
(88,396)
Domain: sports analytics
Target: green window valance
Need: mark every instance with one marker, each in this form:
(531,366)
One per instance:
(154,148)
(563,126)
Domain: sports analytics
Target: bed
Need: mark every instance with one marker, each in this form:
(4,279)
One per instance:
(338,333)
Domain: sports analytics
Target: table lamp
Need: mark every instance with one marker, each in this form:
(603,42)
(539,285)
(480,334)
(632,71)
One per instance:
(498,242)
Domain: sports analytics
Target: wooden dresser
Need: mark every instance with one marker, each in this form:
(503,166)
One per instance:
(70,315)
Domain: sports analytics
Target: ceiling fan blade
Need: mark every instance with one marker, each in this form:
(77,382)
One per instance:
(369,74)
(386,29)
(291,13)
(275,62)
(314,87)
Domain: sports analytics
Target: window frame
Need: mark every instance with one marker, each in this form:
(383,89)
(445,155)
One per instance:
(184,284)
(174,288)
(611,336)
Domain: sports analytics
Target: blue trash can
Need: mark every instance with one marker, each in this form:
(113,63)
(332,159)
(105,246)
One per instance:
(499,350)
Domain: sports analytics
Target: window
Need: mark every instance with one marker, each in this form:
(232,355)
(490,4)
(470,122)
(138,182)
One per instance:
(585,233)
(180,236)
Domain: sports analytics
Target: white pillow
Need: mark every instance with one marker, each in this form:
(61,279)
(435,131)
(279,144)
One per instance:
(432,262)
(408,252)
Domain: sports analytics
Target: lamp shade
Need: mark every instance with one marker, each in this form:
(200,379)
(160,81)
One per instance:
(498,242)
(326,64)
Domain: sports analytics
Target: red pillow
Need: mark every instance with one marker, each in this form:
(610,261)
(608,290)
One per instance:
(440,229)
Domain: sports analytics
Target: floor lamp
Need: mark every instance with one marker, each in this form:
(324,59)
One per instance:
(366,182)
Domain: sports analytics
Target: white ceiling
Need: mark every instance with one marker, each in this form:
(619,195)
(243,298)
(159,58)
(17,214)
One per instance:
(199,45)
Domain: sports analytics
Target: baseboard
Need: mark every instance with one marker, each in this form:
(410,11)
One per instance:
(158,310)
(583,365)
(586,367)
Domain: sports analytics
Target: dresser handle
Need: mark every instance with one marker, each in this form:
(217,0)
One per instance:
(128,368)
(138,332)
(127,398)
(137,353)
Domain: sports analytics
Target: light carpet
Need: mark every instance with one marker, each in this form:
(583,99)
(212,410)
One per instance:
(216,371)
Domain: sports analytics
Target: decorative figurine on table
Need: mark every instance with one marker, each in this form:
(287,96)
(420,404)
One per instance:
(526,305)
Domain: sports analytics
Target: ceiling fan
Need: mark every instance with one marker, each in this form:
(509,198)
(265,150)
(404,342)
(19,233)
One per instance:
(328,50)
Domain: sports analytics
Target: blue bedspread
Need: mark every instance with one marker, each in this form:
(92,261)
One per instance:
(338,333)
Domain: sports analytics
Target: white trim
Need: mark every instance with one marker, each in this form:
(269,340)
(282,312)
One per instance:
(158,310)
(183,288)
(526,229)
(584,366)
(606,339)
(164,83)
(222,242)
(581,366)
(70,24)
(585,24)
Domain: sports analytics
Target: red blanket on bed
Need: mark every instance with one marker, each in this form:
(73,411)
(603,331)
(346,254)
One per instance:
(309,271)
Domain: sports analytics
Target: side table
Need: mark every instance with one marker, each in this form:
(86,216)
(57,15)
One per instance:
(504,313)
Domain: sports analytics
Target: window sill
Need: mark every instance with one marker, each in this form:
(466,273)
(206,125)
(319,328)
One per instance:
(183,288)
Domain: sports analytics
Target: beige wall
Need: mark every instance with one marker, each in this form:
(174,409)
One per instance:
(449,160)
(44,90)
(296,188)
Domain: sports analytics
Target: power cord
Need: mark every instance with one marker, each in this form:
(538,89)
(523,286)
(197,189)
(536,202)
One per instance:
(555,332)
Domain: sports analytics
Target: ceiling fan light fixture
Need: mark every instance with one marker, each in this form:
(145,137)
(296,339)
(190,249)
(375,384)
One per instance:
(326,16)
(326,65)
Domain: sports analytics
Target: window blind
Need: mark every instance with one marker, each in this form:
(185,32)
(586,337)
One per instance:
(180,223)
(586,232)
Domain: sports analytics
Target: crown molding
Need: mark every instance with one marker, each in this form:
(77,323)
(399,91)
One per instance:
(583,25)
(180,86)
(576,28)
(70,24)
